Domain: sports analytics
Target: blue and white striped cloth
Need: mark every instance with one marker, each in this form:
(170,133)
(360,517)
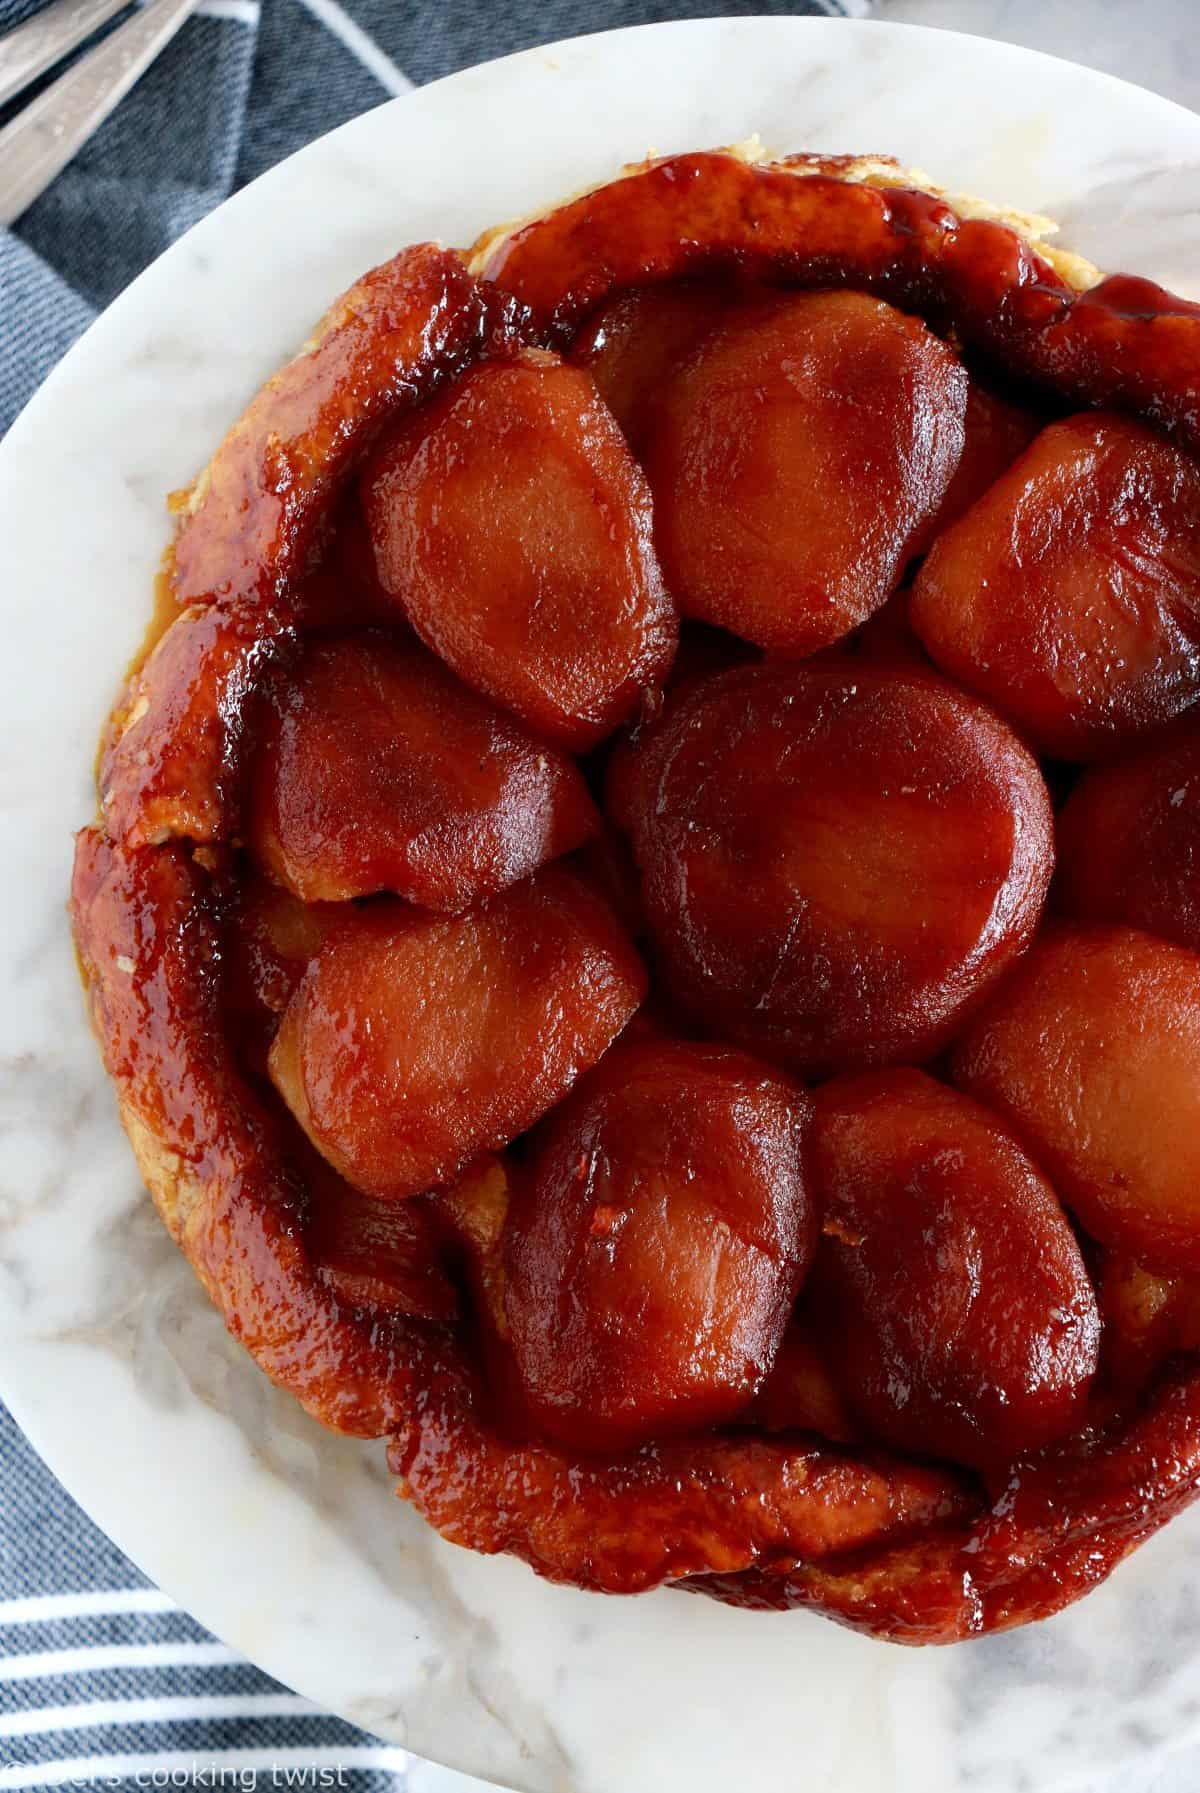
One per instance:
(102,1681)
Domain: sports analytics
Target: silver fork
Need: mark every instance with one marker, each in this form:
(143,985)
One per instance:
(41,140)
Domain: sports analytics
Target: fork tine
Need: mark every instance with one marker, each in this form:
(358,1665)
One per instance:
(41,140)
(28,50)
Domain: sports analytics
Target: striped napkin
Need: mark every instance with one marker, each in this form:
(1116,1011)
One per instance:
(102,1681)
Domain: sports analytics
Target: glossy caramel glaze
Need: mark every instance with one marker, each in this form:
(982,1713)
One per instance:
(170,763)
(951,1296)
(625,1524)
(836,859)
(1091,1050)
(1058,1526)
(1124,342)
(374,769)
(556,609)
(1129,840)
(796,458)
(656,1245)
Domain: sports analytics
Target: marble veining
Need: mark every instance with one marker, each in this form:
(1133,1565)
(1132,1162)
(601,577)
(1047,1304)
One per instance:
(283,1539)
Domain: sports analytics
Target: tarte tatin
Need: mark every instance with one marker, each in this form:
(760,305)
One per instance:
(573,917)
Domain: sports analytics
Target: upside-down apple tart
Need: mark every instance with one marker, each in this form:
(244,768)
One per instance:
(644,912)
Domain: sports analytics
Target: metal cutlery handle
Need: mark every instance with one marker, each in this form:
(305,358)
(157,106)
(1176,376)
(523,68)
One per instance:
(42,139)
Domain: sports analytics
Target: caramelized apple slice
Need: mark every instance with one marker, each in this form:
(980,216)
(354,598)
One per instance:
(950,1292)
(1069,594)
(378,1257)
(837,859)
(995,432)
(800,1395)
(512,524)
(889,637)
(415,1041)
(794,461)
(654,1249)
(377,770)
(634,343)
(1092,1050)
(1129,840)
(270,937)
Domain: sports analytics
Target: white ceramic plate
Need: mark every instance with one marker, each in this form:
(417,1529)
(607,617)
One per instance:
(284,1540)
